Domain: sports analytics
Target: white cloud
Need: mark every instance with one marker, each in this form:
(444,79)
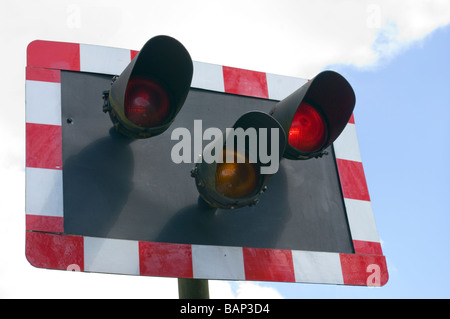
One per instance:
(220,290)
(415,19)
(403,23)
(242,290)
(286,37)
(250,290)
(302,37)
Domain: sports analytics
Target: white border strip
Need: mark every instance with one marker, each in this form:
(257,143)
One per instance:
(113,256)
(359,213)
(280,86)
(346,145)
(208,77)
(212,262)
(105,60)
(43,187)
(361,220)
(43,110)
(314,267)
(44,192)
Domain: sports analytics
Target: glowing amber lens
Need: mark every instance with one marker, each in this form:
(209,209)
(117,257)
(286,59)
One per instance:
(237,180)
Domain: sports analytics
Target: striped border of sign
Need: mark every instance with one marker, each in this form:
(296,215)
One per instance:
(48,247)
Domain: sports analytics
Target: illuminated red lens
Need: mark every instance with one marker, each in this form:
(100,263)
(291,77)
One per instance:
(308,132)
(146,103)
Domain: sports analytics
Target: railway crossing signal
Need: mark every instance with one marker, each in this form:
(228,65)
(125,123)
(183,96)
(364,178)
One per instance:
(98,202)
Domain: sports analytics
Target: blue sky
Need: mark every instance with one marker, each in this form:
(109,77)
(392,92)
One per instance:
(402,116)
(394,53)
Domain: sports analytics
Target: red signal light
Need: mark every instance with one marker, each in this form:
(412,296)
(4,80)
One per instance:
(146,103)
(315,115)
(308,131)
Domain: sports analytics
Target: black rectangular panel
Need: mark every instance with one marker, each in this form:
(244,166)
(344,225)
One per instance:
(114,187)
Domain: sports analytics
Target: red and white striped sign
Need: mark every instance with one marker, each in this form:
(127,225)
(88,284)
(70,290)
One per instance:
(48,247)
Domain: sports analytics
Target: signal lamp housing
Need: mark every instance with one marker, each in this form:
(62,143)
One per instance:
(238,183)
(315,115)
(145,99)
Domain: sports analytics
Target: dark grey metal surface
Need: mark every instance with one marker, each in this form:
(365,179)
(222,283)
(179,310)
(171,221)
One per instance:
(115,187)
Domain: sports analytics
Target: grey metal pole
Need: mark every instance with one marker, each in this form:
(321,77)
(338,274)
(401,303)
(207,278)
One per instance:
(193,288)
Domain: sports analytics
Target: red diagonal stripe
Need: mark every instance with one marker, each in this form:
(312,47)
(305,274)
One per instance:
(43,146)
(268,265)
(353,180)
(364,270)
(45,223)
(43,75)
(54,251)
(245,82)
(53,55)
(165,260)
